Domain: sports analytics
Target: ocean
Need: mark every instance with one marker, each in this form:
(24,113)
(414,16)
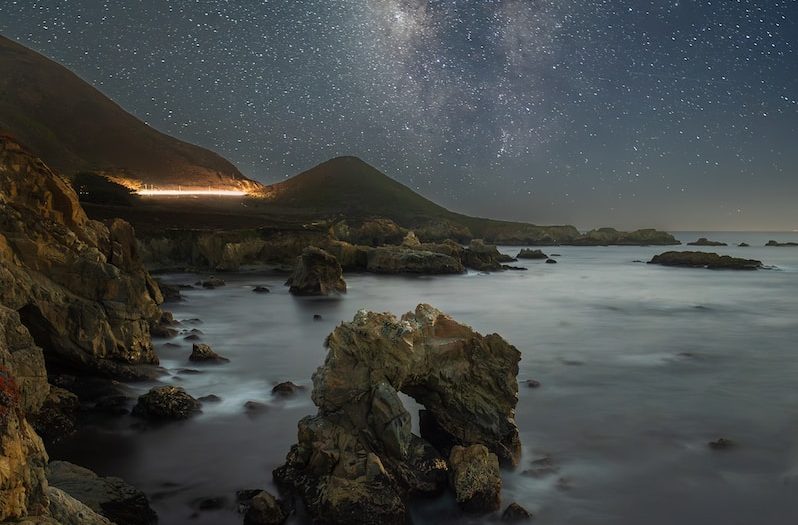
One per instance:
(640,367)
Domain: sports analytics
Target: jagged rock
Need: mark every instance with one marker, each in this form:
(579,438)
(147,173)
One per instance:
(110,497)
(316,273)
(395,260)
(265,509)
(708,260)
(515,513)
(484,257)
(286,388)
(531,254)
(202,353)
(703,241)
(166,402)
(79,285)
(58,416)
(357,460)
(66,510)
(475,478)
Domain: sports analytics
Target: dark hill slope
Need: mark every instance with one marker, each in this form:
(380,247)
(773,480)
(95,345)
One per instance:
(351,188)
(74,127)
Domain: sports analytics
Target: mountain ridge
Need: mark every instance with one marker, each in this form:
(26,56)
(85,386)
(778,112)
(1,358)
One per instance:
(74,127)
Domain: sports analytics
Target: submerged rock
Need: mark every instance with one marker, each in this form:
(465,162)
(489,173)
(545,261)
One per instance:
(708,260)
(316,273)
(286,388)
(202,353)
(356,460)
(475,478)
(212,282)
(166,402)
(261,289)
(551,261)
(721,444)
(112,497)
(703,241)
(531,254)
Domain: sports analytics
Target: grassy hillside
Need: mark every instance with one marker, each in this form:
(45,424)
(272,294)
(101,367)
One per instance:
(73,127)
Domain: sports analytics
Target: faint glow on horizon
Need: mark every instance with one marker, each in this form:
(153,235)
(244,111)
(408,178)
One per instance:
(188,193)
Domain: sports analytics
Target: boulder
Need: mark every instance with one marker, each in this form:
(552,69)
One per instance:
(286,388)
(708,260)
(484,257)
(475,478)
(166,402)
(515,513)
(265,509)
(202,353)
(551,261)
(79,285)
(703,241)
(531,254)
(110,497)
(316,273)
(357,460)
(261,289)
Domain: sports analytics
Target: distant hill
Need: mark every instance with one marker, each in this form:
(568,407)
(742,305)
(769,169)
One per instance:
(351,188)
(73,127)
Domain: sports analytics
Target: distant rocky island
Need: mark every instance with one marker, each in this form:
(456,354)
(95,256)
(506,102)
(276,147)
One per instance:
(708,260)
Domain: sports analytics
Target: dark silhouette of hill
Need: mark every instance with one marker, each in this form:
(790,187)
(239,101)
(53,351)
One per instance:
(74,127)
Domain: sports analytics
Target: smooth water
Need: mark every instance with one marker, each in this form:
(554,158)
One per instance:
(640,367)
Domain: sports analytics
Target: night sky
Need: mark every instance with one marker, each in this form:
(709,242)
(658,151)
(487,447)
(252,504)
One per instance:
(675,114)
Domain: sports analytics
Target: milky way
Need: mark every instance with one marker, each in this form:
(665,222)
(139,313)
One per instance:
(630,113)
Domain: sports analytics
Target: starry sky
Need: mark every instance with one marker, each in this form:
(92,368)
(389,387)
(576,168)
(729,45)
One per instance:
(630,113)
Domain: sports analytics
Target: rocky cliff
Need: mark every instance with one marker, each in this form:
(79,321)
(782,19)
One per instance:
(78,284)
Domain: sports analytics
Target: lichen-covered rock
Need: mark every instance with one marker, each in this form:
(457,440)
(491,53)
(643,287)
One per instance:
(108,496)
(357,459)
(166,402)
(475,478)
(316,273)
(57,417)
(78,284)
(712,261)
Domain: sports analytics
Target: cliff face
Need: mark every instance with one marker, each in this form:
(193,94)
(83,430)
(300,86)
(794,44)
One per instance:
(77,284)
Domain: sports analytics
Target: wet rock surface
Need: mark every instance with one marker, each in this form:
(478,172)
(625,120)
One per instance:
(357,460)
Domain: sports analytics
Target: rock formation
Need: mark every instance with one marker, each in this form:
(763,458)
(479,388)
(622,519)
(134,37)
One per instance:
(708,260)
(703,241)
(527,253)
(356,460)
(79,285)
(395,260)
(316,273)
(475,477)
(777,244)
(166,402)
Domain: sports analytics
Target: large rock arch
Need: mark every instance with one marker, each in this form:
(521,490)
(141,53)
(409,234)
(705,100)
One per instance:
(357,460)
